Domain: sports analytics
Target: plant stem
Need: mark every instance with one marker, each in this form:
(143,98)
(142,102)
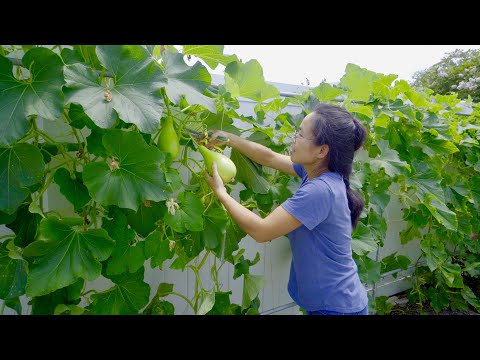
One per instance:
(198,283)
(166,101)
(191,170)
(204,259)
(50,140)
(27,137)
(196,162)
(183,297)
(3,308)
(75,133)
(90,291)
(58,165)
(214,273)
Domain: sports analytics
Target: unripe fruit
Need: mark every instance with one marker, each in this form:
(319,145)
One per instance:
(226,168)
(168,139)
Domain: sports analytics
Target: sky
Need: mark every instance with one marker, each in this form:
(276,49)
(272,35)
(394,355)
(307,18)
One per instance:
(294,64)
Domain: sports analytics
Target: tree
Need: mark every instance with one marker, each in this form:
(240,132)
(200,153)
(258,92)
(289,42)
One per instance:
(458,71)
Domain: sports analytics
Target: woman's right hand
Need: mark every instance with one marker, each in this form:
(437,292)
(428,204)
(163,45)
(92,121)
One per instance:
(217,138)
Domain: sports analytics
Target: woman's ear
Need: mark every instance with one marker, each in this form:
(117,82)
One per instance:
(323,151)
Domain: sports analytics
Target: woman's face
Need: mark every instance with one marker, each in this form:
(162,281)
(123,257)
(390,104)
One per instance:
(303,149)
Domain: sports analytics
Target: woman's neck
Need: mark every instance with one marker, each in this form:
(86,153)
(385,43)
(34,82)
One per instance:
(316,171)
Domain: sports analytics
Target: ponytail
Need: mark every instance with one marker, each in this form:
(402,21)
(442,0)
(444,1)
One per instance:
(344,135)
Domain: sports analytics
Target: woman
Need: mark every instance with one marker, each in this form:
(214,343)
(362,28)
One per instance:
(319,217)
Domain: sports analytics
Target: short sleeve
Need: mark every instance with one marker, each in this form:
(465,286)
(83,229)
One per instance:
(299,169)
(311,203)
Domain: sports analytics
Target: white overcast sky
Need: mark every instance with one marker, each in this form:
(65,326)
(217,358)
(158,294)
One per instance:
(293,64)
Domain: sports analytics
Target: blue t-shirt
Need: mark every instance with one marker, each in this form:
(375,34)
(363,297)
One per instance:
(323,274)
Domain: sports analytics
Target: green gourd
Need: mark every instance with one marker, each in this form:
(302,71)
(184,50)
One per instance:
(226,168)
(168,139)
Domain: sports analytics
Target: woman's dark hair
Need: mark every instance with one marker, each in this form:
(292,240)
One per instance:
(336,127)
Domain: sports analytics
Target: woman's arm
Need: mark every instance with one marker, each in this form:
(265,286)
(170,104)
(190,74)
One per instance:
(257,152)
(276,224)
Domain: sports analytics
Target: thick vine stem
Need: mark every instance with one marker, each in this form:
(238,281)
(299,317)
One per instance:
(44,188)
(183,297)
(89,291)
(50,140)
(202,262)
(198,283)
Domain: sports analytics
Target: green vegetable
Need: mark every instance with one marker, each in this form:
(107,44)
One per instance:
(168,139)
(226,168)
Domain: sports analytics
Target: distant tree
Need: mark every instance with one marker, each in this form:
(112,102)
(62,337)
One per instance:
(458,71)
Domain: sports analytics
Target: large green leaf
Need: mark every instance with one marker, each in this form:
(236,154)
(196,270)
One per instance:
(249,173)
(63,254)
(378,193)
(14,304)
(368,269)
(46,304)
(363,240)
(216,221)
(242,265)
(358,81)
(435,146)
(211,54)
(13,272)
(252,284)
(78,118)
(222,305)
(229,242)
(471,298)
(126,255)
(189,214)
(207,301)
(441,212)
(159,307)
(326,92)
(389,161)
(409,233)
(139,175)
(246,80)
(218,121)
(438,299)
(424,184)
(191,243)
(21,165)
(87,54)
(129,295)
(187,81)
(144,219)
(134,93)
(73,189)
(475,187)
(7,218)
(157,247)
(452,273)
(435,252)
(40,95)
(393,262)
(94,142)
(25,226)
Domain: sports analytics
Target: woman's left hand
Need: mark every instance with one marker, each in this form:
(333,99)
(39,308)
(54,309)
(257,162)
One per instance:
(215,181)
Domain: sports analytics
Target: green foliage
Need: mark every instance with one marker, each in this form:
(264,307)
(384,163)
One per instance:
(133,204)
(457,72)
